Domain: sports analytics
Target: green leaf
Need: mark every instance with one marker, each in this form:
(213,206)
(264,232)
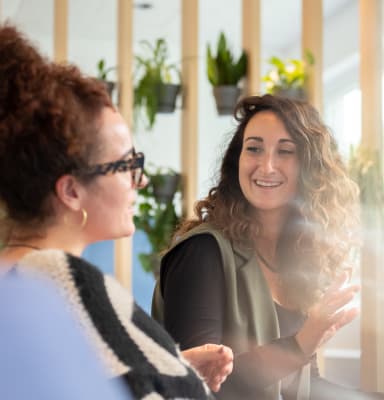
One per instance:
(221,44)
(212,68)
(157,220)
(151,70)
(222,69)
(240,68)
(309,57)
(145,261)
(277,62)
(289,74)
(102,71)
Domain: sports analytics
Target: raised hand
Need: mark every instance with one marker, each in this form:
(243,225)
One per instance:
(212,361)
(328,315)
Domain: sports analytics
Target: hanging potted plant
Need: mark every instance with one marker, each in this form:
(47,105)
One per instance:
(157,83)
(102,75)
(157,215)
(288,78)
(224,73)
(165,184)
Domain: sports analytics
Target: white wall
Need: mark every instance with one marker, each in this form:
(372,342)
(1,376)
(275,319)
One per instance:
(36,24)
(215,16)
(92,35)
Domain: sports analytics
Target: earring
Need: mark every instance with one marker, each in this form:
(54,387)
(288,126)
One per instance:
(84,218)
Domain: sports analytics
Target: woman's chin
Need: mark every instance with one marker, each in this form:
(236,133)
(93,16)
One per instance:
(130,230)
(123,233)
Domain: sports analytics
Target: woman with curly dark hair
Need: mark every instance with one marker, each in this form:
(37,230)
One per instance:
(262,266)
(68,177)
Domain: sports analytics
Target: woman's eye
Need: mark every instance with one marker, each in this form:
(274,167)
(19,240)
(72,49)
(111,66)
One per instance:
(287,151)
(125,165)
(123,168)
(254,149)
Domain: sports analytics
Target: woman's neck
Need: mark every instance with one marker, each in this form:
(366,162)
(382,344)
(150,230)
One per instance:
(53,238)
(271,222)
(12,254)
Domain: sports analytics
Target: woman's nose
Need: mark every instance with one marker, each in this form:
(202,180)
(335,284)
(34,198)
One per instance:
(267,162)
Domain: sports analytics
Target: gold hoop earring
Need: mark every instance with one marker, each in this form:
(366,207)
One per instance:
(84,218)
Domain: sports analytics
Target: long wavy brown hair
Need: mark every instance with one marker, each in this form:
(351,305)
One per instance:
(321,230)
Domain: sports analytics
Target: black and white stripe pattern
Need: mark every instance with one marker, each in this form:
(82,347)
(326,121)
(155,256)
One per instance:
(128,341)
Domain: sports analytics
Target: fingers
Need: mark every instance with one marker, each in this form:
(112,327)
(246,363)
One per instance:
(338,320)
(215,382)
(201,354)
(214,385)
(337,296)
(226,354)
(337,283)
(340,298)
(340,284)
(217,378)
(328,315)
(345,316)
(213,362)
(218,352)
(220,367)
(221,361)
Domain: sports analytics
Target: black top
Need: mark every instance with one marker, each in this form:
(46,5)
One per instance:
(193,288)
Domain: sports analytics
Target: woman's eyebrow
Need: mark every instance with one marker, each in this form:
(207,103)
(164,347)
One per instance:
(126,154)
(287,141)
(258,138)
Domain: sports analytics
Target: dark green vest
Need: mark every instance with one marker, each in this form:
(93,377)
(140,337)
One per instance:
(250,314)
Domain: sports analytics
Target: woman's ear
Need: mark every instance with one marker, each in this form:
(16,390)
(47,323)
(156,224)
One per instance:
(70,191)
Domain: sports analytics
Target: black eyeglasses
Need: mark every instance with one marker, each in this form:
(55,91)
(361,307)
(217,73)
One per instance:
(135,164)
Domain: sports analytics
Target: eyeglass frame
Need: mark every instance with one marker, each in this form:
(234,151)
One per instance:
(134,164)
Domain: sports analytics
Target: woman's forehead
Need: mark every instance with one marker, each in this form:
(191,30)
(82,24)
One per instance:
(266,124)
(115,136)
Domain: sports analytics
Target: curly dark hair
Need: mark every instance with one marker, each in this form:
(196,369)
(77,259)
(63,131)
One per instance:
(49,123)
(317,239)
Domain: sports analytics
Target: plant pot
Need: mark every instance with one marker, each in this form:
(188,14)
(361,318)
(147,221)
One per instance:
(226,97)
(165,186)
(167,94)
(292,93)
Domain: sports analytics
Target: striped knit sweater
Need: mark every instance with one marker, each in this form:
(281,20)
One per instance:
(129,343)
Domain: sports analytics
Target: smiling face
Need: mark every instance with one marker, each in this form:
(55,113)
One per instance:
(268,164)
(110,198)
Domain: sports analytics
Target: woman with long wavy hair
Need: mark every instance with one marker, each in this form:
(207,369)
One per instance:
(261,267)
